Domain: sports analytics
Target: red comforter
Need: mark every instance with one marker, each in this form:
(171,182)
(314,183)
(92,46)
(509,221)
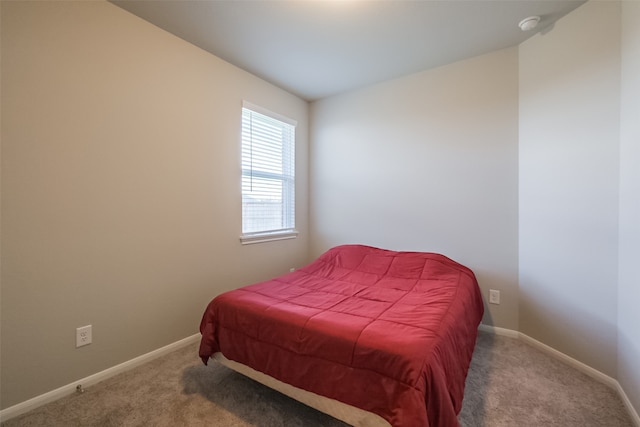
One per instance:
(388,332)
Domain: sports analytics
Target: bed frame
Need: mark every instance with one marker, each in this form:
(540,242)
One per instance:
(403,323)
(349,414)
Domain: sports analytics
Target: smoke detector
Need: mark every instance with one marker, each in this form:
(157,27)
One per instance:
(528,24)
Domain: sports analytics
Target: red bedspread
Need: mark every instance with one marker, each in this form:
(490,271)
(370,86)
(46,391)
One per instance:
(388,332)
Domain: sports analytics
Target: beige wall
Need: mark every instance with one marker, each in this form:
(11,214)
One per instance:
(120,141)
(629,290)
(120,189)
(426,162)
(569,159)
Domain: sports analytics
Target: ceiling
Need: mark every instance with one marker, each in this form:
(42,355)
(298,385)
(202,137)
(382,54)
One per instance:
(318,48)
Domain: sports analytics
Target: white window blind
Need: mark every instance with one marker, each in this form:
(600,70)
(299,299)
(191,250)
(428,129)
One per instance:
(268,175)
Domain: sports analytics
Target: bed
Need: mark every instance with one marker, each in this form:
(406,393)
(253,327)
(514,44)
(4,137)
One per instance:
(388,334)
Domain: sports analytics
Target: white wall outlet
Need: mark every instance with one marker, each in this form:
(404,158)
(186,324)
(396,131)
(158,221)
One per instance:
(292,269)
(494,296)
(83,336)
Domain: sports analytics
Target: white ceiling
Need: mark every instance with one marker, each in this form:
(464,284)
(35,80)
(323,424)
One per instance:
(318,48)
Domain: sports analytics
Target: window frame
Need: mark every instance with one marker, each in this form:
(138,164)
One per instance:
(277,234)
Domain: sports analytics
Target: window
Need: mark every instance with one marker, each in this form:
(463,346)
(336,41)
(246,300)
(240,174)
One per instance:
(268,175)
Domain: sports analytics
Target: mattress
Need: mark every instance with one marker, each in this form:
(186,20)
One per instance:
(391,333)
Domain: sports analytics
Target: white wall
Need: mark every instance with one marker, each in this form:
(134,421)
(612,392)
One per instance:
(120,189)
(629,288)
(426,162)
(569,157)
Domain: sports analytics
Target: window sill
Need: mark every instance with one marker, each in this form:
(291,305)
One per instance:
(249,239)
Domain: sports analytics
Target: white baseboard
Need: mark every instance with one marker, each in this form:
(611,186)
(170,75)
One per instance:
(627,403)
(43,399)
(586,369)
(58,393)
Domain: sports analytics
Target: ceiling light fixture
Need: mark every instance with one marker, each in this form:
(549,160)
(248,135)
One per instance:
(528,24)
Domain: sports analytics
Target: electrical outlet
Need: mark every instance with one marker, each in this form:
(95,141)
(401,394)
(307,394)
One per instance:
(83,336)
(494,296)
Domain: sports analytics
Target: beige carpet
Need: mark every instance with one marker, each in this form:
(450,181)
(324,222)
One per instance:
(509,384)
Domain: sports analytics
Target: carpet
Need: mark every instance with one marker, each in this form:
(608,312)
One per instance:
(509,384)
